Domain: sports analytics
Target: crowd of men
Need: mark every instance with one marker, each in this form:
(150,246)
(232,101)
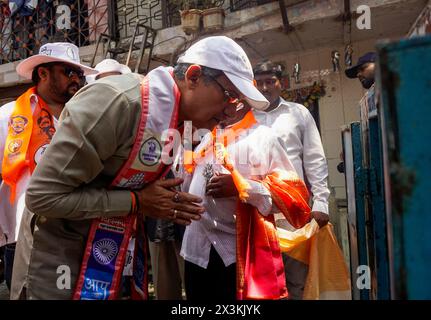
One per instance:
(200,163)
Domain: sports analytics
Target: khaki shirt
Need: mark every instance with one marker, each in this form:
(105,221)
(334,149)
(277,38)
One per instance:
(70,186)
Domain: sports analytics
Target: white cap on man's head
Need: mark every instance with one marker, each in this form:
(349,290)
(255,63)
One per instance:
(53,52)
(222,53)
(106,66)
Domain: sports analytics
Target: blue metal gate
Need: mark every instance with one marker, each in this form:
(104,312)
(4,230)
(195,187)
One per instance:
(405,76)
(388,169)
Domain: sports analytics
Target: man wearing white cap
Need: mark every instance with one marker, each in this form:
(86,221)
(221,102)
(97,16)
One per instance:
(108,67)
(103,171)
(27,126)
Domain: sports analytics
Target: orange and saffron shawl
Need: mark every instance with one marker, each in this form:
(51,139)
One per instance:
(260,270)
(26,137)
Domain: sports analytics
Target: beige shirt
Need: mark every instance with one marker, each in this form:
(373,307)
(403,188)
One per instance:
(70,186)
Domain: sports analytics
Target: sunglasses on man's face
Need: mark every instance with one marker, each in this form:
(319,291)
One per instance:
(69,71)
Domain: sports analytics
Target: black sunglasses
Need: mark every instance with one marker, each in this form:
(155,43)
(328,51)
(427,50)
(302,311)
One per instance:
(70,72)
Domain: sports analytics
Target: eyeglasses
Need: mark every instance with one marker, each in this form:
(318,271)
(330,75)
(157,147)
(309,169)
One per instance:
(267,82)
(231,98)
(70,72)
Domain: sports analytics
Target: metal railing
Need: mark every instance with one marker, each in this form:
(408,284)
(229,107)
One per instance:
(236,5)
(25,28)
(25,25)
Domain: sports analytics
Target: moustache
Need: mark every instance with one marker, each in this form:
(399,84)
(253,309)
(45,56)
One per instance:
(75,84)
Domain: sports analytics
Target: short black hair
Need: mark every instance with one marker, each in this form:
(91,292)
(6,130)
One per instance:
(35,75)
(269,67)
(208,73)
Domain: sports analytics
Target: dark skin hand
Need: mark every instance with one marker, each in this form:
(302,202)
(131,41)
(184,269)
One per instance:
(321,218)
(157,201)
(221,186)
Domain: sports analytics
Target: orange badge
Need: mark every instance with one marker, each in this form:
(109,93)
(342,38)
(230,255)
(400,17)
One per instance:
(14,145)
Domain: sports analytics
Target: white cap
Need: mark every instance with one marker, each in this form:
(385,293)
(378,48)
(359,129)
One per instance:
(106,66)
(53,52)
(222,53)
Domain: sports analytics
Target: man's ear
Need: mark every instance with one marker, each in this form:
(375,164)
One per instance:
(193,74)
(283,83)
(42,72)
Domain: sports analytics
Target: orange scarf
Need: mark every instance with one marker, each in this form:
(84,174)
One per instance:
(28,136)
(260,270)
(218,145)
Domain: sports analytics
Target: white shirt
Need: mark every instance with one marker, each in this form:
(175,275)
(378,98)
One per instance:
(10,214)
(255,154)
(295,125)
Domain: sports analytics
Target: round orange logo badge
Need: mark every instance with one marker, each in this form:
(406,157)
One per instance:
(14,145)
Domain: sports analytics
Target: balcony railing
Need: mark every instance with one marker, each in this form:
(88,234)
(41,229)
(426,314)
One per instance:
(25,25)
(236,5)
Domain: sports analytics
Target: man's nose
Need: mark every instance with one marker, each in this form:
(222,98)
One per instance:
(263,87)
(74,76)
(76,80)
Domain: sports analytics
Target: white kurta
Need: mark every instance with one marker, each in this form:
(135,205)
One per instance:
(256,153)
(296,126)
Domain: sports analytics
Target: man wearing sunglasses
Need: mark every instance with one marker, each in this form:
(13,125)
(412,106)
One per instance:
(297,128)
(26,128)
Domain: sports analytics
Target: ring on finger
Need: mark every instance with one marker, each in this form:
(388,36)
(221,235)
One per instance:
(174,213)
(176,197)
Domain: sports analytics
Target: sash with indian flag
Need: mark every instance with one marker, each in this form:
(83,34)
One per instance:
(29,133)
(108,240)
